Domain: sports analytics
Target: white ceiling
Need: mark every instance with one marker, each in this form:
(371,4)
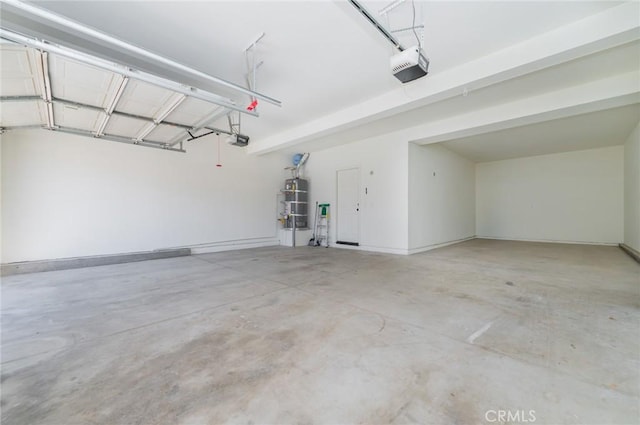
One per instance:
(621,60)
(586,131)
(321,57)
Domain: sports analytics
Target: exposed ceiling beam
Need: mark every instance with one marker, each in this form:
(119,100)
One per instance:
(614,92)
(608,93)
(611,28)
(85,31)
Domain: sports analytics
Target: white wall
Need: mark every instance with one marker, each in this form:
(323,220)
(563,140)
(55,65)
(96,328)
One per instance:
(566,197)
(441,197)
(67,196)
(632,190)
(383,189)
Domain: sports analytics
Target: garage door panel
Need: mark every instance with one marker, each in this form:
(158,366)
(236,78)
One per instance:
(74,117)
(125,126)
(81,83)
(166,133)
(82,95)
(144,99)
(19,72)
(192,111)
(22,113)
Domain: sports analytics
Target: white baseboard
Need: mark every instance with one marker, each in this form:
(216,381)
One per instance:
(400,251)
(548,241)
(438,245)
(234,245)
(633,253)
(89,261)
(384,250)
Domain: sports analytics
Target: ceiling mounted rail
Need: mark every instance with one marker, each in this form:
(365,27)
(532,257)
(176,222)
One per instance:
(152,122)
(123,70)
(87,31)
(86,133)
(4,99)
(119,139)
(115,113)
(378,25)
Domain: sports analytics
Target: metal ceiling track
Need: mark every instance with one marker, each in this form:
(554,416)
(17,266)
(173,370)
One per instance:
(123,70)
(126,73)
(73,104)
(377,24)
(108,137)
(119,139)
(100,132)
(122,45)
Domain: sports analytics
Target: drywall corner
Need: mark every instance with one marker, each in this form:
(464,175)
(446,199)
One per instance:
(441,197)
(635,254)
(632,190)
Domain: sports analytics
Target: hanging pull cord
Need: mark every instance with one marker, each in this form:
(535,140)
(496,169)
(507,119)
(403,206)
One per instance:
(219,165)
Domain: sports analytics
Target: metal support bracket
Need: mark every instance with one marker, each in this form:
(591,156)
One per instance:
(164,113)
(123,70)
(45,87)
(112,105)
(250,54)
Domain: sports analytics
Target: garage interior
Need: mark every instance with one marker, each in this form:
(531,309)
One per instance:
(482,220)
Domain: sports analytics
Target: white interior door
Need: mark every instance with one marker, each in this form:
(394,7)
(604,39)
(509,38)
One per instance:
(347,224)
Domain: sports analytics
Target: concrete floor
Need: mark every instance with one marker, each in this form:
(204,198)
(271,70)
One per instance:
(545,333)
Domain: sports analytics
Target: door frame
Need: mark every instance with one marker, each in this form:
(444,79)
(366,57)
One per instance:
(337,225)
